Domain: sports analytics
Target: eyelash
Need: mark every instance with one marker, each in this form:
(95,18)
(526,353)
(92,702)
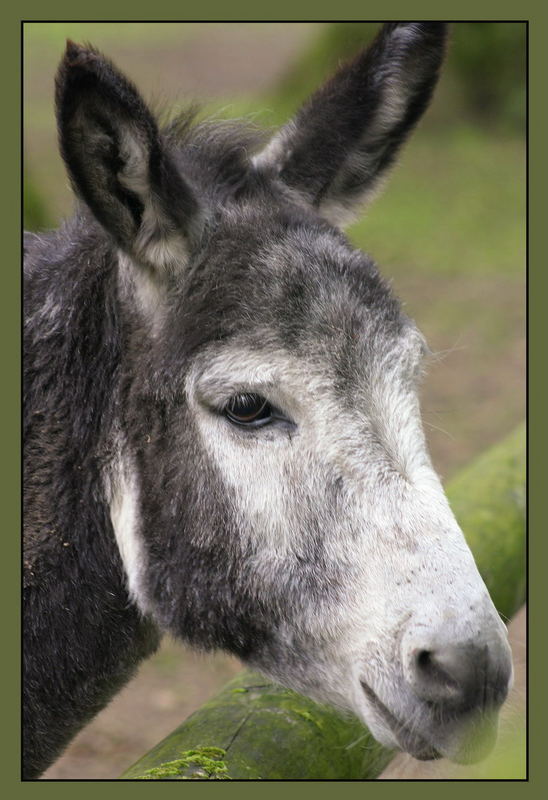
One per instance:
(248,410)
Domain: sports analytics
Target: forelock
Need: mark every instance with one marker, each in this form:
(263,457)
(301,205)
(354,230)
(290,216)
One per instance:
(215,154)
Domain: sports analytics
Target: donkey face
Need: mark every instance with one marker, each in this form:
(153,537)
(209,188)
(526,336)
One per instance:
(272,493)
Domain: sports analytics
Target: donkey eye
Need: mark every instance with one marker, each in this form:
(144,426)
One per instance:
(248,409)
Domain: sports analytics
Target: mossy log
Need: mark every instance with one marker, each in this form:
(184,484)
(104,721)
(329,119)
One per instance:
(257,730)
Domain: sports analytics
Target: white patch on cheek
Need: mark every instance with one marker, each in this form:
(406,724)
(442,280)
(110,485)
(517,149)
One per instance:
(254,465)
(255,481)
(123,495)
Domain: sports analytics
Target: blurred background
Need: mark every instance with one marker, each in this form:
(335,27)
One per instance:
(449,231)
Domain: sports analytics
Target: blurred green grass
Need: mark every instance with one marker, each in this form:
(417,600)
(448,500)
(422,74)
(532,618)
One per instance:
(455,205)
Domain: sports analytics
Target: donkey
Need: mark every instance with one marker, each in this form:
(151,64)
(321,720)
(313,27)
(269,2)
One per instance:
(222,430)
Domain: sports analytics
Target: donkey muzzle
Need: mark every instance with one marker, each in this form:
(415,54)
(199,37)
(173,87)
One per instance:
(462,683)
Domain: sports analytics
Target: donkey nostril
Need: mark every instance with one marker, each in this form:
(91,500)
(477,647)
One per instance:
(423,659)
(435,666)
(460,676)
(437,677)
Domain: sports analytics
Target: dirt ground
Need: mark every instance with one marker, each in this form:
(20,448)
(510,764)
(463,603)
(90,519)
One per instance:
(473,396)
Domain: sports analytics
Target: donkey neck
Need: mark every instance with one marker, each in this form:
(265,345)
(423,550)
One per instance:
(84,637)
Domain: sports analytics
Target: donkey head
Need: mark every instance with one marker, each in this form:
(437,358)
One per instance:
(271,493)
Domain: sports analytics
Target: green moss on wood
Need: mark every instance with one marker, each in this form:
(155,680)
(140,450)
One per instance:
(266,732)
(204,763)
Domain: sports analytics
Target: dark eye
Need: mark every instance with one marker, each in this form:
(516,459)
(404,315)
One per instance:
(248,409)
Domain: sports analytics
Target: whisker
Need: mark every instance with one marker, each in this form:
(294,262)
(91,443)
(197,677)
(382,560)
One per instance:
(436,356)
(441,430)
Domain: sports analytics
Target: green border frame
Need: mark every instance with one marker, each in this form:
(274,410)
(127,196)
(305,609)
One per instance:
(10,317)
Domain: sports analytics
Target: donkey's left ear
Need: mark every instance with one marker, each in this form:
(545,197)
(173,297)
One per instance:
(119,164)
(344,138)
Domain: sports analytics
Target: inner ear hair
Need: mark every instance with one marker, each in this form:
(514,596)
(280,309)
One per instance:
(119,164)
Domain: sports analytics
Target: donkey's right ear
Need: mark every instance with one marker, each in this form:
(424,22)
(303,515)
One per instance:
(118,163)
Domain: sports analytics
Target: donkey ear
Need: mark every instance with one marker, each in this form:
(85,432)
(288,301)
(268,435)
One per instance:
(118,163)
(344,138)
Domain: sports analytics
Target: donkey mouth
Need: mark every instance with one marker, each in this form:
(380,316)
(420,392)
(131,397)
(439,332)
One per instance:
(409,741)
